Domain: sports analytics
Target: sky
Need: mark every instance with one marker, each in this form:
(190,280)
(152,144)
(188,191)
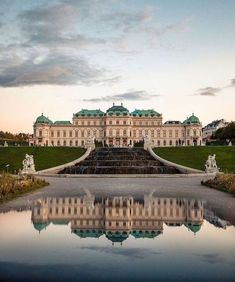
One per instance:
(57,57)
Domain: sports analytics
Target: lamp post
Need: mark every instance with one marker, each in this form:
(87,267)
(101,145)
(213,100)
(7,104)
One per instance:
(7,167)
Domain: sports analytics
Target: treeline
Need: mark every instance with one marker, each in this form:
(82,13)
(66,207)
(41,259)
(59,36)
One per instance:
(14,137)
(225,133)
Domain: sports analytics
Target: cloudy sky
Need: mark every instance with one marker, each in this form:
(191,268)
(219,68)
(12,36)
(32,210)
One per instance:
(57,57)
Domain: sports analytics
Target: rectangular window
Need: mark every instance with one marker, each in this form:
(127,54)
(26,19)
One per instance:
(164,133)
(64,133)
(52,133)
(70,133)
(170,133)
(58,133)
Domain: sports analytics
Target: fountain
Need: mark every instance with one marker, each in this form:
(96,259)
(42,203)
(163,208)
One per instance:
(120,161)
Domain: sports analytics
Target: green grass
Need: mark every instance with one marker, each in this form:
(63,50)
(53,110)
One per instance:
(44,157)
(196,157)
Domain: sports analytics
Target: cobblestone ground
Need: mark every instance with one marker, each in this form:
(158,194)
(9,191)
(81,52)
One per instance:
(181,187)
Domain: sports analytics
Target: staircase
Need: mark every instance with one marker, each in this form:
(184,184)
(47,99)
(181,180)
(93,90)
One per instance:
(119,161)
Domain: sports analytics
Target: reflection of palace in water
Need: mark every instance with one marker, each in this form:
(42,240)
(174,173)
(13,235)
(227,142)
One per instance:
(118,217)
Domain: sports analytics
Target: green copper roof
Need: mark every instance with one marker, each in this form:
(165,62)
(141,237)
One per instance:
(88,233)
(117,110)
(117,237)
(193,227)
(146,113)
(145,234)
(85,112)
(192,119)
(43,119)
(62,122)
(40,226)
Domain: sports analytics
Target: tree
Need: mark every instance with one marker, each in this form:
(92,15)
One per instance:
(226,133)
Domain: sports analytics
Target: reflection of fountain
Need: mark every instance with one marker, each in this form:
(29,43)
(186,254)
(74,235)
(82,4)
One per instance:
(118,217)
(120,161)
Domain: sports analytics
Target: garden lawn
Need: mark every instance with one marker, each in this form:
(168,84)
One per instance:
(196,157)
(44,157)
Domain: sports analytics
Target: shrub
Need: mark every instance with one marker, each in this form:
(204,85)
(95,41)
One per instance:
(224,182)
(11,186)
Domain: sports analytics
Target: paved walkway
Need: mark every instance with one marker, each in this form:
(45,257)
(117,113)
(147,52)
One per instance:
(185,187)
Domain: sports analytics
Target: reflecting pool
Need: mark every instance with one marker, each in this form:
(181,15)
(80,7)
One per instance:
(89,238)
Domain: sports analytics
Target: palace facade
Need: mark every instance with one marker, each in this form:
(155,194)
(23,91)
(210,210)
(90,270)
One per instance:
(117,127)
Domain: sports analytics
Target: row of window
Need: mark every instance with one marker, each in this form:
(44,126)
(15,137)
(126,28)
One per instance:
(157,143)
(155,212)
(136,133)
(116,122)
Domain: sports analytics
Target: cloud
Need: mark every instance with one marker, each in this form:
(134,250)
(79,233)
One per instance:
(56,26)
(211,258)
(232,83)
(208,91)
(138,253)
(56,69)
(126,21)
(130,95)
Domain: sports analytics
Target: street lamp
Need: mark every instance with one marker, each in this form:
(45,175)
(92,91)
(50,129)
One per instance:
(7,167)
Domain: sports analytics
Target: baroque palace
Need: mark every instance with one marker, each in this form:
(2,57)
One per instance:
(117,128)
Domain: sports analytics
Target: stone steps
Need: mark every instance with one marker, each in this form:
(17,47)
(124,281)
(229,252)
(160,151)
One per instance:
(119,161)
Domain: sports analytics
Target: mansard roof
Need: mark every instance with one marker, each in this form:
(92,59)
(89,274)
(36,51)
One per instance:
(62,122)
(173,122)
(145,113)
(145,233)
(117,110)
(86,112)
(88,233)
